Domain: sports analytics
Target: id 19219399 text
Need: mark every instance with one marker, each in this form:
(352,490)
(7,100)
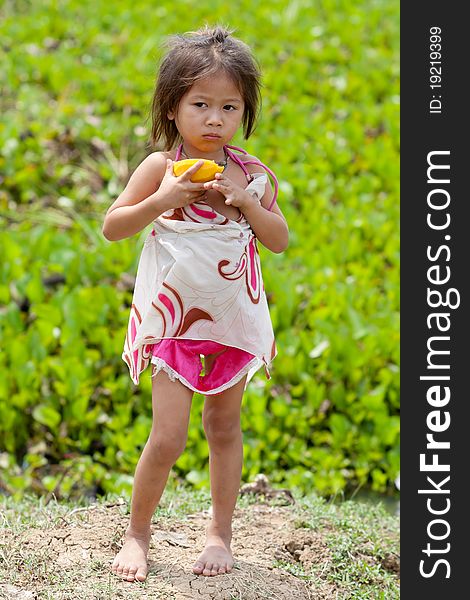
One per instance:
(435,70)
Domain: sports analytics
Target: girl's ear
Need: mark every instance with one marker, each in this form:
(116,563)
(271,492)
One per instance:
(170,115)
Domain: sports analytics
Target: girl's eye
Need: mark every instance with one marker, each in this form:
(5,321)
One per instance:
(227,106)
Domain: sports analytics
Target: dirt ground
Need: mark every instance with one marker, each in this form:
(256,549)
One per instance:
(71,559)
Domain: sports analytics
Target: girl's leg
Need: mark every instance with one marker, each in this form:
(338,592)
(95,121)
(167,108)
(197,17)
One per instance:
(171,402)
(221,421)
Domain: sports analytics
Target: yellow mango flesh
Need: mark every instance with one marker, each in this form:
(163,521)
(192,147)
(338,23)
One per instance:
(205,173)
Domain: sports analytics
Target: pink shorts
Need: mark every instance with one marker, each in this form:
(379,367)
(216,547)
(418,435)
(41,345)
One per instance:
(181,359)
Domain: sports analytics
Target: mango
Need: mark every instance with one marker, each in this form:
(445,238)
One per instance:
(206,172)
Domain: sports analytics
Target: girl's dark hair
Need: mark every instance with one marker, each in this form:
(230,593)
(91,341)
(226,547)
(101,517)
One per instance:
(193,56)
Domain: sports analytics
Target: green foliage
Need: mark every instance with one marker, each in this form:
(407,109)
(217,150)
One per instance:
(78,80)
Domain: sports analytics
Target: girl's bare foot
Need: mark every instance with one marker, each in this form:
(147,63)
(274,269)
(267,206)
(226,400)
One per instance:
(216,558)
(131,561)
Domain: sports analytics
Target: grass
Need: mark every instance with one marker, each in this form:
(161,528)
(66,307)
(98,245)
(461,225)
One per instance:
(356,552)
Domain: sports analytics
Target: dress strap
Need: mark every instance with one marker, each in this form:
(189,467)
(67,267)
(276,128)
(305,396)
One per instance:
(238,160)
(242,164)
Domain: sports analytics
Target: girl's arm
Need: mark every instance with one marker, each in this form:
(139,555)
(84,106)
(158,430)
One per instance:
(152,190)
(138,204)
(269,226)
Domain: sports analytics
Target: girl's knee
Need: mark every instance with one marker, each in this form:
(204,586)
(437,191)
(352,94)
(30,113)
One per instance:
(168,448)
(221,432)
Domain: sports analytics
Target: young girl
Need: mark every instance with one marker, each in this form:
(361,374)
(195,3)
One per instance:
(199,289)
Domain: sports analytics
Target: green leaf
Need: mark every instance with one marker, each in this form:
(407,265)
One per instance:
(46,415)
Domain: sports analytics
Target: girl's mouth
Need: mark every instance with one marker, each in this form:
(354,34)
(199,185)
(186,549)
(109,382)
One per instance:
(210,136)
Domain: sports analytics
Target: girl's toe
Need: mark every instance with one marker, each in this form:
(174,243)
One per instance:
(215,569)
(198,567)
(207,569)
(141,574)
(221,569)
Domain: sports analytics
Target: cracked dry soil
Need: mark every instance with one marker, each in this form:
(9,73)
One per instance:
(71,559)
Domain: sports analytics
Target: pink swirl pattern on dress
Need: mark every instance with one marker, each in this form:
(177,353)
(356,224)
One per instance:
(132,357)
(248,265)
(251,250)
(237,272)
(207,214)
(135,354)
(175,307)
(167,302)
(252,284)
(197,214)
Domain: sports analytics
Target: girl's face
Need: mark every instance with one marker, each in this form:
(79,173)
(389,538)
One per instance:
(209,115)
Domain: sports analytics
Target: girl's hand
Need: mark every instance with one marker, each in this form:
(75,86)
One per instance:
(234,194)
(181,191)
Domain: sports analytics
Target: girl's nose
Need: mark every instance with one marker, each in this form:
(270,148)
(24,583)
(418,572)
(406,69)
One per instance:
(214,118)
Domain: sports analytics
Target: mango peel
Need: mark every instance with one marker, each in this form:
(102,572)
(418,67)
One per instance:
(206,172)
